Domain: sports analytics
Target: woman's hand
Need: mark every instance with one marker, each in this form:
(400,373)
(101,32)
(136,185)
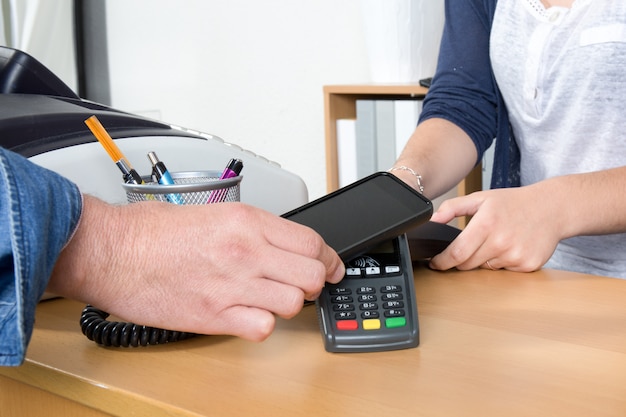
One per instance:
(514,229)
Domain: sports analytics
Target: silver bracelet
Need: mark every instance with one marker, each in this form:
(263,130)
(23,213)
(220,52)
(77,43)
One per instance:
(420,187)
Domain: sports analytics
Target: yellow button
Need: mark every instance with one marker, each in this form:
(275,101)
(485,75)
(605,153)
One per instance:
(371,324)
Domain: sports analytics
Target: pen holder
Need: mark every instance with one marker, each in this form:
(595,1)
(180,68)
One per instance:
(190,187)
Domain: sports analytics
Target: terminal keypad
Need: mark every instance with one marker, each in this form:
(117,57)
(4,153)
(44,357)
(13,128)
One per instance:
(377,304)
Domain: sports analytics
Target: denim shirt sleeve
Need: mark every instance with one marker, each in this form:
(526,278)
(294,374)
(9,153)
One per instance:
(39,211)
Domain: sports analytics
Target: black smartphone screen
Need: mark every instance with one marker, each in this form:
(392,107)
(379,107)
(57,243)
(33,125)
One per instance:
(361,215)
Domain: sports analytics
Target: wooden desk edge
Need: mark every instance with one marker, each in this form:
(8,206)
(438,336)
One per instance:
(72,395)
(413,90)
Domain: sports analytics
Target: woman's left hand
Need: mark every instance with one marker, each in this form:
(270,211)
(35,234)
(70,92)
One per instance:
(514,229)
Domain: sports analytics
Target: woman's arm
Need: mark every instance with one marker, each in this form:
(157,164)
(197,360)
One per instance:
(460,115)
(439,151)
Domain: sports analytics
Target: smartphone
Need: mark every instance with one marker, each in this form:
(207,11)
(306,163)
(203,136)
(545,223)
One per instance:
(373,308)
(361,215)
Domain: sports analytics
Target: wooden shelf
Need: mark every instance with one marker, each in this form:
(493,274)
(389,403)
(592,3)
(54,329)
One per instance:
(340,103)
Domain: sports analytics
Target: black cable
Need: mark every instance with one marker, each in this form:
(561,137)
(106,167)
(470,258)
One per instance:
(94,325)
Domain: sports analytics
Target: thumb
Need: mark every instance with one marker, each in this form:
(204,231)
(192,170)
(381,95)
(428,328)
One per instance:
(250,323)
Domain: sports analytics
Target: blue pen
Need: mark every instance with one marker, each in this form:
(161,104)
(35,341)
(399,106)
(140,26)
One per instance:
(162,175)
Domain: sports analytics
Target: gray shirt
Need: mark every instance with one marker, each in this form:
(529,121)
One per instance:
(562,73)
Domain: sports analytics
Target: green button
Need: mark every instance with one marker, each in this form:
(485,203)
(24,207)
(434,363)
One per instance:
(393,322)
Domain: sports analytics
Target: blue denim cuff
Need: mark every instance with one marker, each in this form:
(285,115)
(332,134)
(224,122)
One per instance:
(39,211)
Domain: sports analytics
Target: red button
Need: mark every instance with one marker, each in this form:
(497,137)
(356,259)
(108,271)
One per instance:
(347,325)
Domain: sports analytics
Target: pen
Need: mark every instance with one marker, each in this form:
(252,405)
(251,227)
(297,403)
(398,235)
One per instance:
(128,173)
(233,169)
(162,176)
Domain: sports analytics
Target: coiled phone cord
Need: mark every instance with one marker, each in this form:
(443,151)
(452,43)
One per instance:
(94,325)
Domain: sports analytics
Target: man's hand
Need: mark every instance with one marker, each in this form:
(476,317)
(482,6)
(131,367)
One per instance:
(224,268)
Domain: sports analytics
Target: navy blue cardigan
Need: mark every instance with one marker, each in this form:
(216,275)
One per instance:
(464,90)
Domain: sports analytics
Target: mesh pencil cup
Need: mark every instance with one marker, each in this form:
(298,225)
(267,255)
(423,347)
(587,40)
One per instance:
(190,187)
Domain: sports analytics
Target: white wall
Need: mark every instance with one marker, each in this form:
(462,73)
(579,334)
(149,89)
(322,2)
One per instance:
(44,30)
(248,71)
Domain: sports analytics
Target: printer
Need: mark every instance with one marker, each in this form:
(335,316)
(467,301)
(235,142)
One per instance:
(42,119)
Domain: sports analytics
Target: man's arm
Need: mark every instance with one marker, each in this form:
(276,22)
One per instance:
(223,268)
